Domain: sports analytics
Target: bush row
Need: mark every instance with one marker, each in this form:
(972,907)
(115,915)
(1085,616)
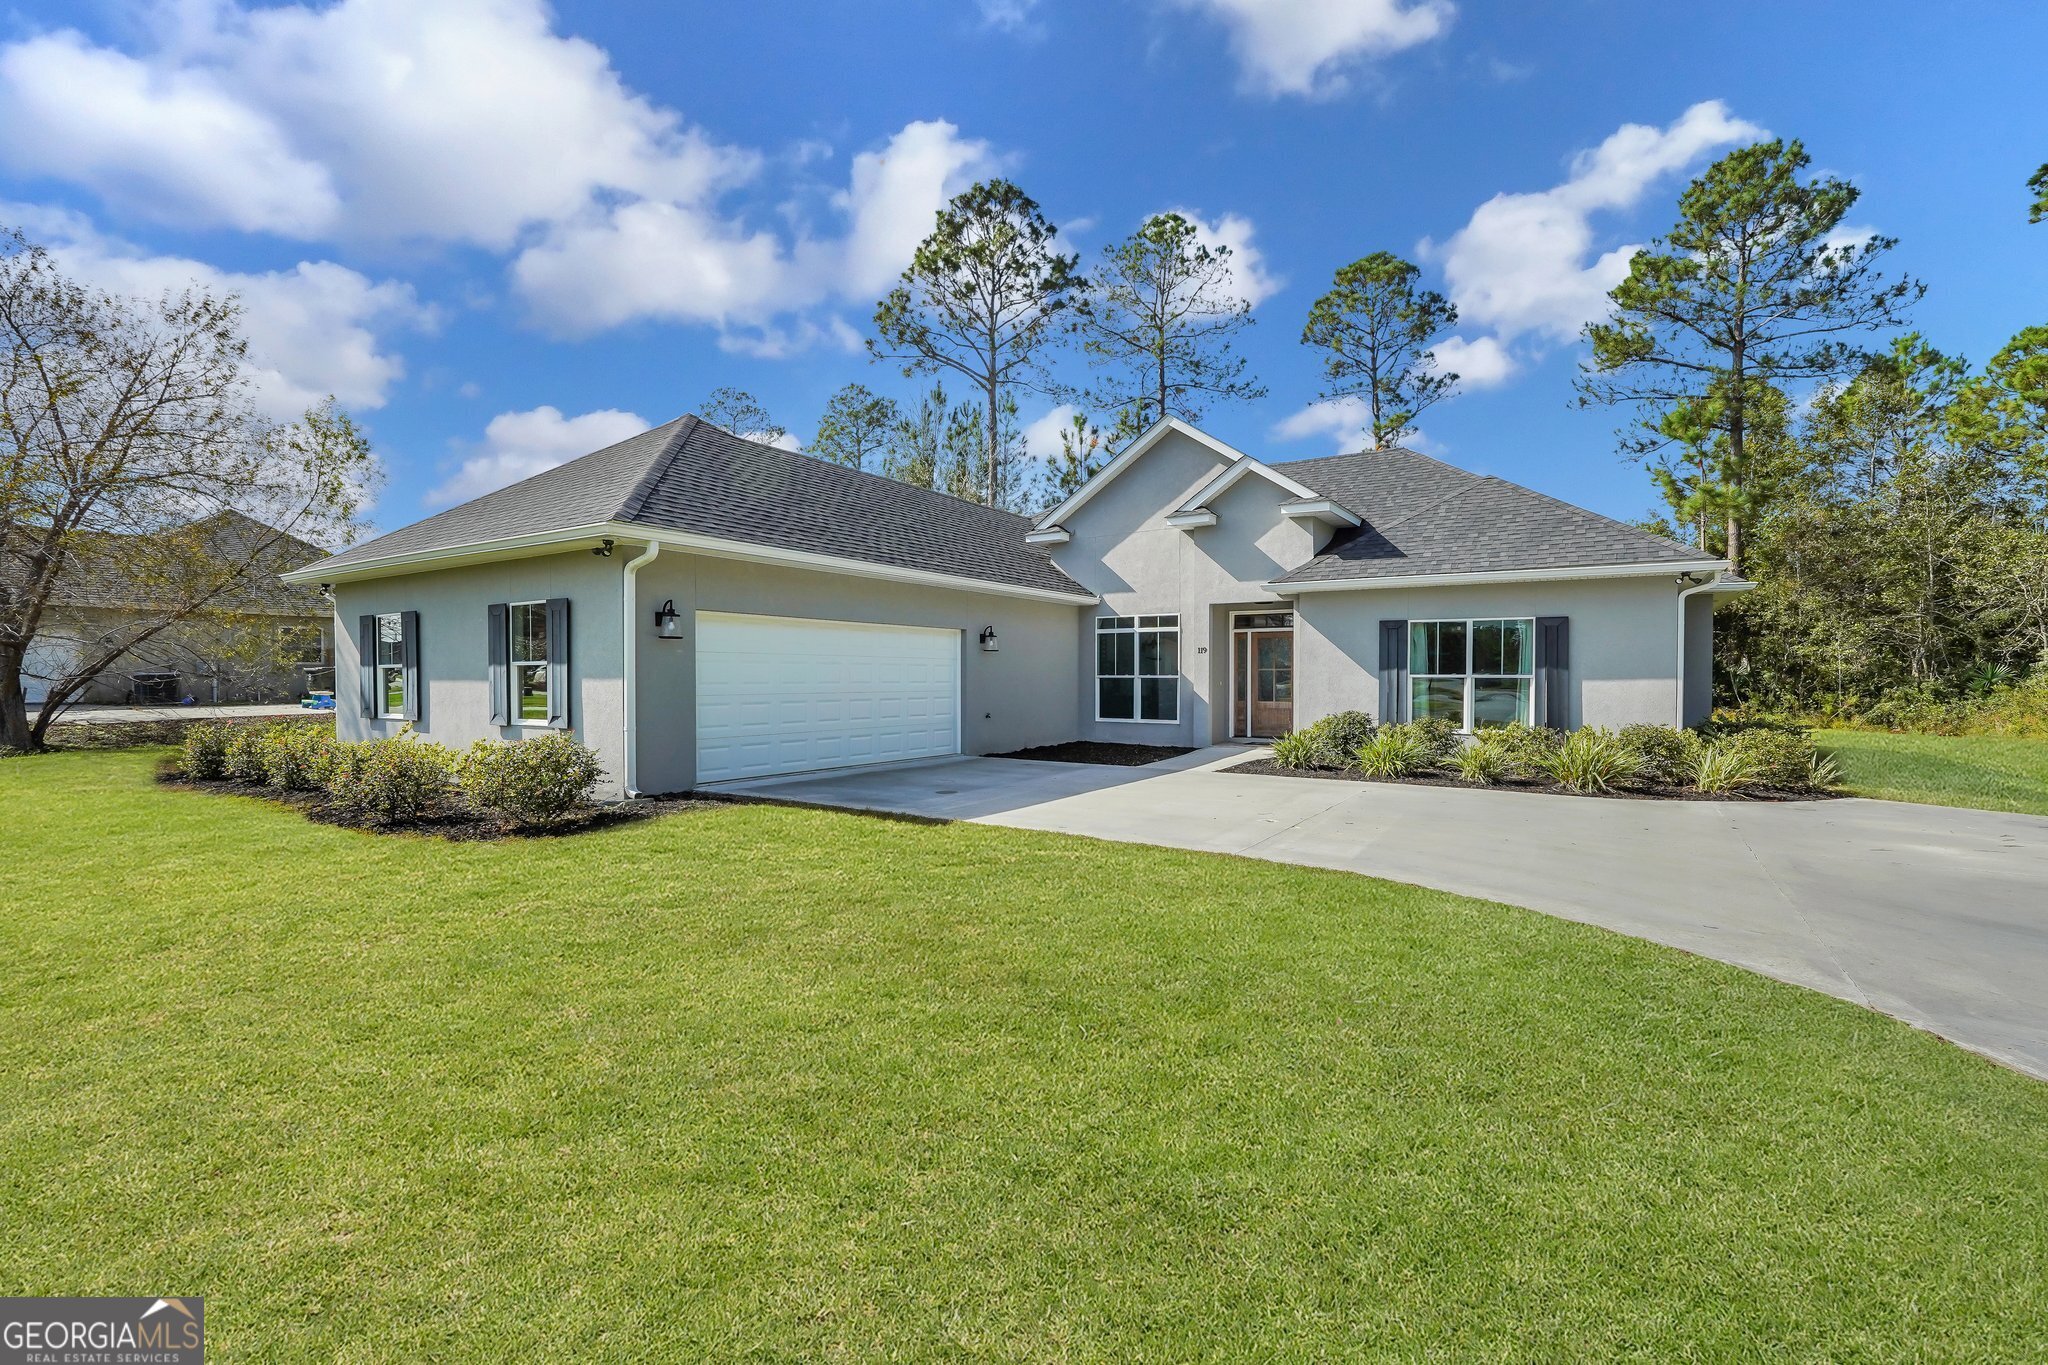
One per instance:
(398,780)
(1724,759)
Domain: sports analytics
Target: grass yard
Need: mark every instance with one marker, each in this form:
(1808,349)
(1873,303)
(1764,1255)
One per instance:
(1989,772)
(754,1082)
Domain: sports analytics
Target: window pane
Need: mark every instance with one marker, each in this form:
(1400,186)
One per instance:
(1161,698)
(391,639)
(1114,622)
(1115,697)
(394,690)
(1499,701)
(530,633)
(1501,647)
(1266,620)
(1158,652)
(1105,655)
(1436,647)
(1439,699)
(1126,654)
(532,683)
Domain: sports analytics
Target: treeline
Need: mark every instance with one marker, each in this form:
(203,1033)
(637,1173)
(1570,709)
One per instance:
(988,305)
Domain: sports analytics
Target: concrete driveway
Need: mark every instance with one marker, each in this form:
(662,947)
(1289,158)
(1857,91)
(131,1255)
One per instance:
(1938,917)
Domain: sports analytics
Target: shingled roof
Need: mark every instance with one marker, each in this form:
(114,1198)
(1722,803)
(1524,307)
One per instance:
(690,476)
(1421,516)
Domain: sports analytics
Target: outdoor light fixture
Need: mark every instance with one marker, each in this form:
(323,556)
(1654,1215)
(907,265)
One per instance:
(668,623)
(604,551)
(988,639)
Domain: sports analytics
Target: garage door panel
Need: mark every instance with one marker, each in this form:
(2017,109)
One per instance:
(777,694)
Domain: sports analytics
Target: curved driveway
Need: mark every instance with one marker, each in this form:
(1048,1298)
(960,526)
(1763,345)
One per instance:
(1936,916)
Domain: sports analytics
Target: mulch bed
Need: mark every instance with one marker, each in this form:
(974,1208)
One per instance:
(449,820)
(1088,751)
(1639,791)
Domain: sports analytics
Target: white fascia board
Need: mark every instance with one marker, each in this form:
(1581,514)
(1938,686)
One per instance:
(1440,580)
(1051,535)
(1129,456)
(520,547)
(1319,509)
(483,551)
(718,548)
(1244,465)
(1191,519)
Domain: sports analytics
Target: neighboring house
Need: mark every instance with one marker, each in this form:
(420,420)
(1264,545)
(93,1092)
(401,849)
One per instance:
(264,641)
(701,608)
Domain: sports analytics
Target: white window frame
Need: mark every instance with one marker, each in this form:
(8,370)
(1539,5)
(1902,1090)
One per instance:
(1138,679)
(381,670)
(1471,624)
(513,663)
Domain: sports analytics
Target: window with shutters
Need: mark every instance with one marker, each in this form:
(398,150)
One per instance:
(527,640)
(1474,673)
(390,672)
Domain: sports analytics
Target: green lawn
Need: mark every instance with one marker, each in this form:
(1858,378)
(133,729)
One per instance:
(1990,772)
(754,1082)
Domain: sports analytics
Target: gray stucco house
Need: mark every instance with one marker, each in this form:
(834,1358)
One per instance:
(701,608)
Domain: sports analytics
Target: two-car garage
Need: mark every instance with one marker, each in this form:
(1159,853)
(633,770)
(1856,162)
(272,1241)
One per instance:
(779,694)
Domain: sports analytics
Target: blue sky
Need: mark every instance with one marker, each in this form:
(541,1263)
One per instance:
(504,234)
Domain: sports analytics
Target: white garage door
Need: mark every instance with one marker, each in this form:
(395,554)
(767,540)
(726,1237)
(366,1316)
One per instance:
(780,695)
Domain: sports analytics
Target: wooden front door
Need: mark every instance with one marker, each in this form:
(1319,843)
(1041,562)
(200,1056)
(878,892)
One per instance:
(1269,682)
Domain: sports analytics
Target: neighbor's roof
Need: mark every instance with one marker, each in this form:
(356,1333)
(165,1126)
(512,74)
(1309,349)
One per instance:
(1421,516)
(690,476)
(127,571)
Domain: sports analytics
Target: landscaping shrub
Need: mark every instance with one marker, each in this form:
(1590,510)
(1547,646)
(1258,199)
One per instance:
(393,780)
(1483,763)
(1396,751)
(1438,739)
(1526,748)
(295,757)
(1663,752)
(242,754)
(1591,760)
(1719,767)
(1780,758)
(532,782)
(205,754)
(1301,749)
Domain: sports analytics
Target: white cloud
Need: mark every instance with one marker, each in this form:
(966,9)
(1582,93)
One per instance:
(463,120)
(1006,14)
(314,330)
(1254,283)
(1342,419)
(167,143)
(518,445)
(1042,435)
(679,262)
(1526,265)
(1479,362)
(1312,47)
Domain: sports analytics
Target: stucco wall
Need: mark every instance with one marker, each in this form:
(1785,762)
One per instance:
(1018,697)
(1624,642)
(1699,657)
(1122,548)
(454,651)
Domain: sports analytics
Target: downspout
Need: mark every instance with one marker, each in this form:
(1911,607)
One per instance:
(1678,717)
(630,646)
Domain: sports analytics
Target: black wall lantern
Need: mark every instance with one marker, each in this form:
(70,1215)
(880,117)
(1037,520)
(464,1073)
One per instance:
(668,622)
(988,639)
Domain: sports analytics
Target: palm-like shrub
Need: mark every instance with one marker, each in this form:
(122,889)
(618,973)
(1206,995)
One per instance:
(533,782)
(1782,758)
(1525,748)
(1482,763)
(1327,743)
(1298,750)
(1591,760)
(1396,751)
(1438,739)
(1721,767)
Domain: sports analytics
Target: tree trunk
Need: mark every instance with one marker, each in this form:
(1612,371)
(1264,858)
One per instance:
(14,731)
(994,457)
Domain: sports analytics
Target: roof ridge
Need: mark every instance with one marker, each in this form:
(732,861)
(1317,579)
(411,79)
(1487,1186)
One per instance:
(636,499)
(1434,503)
(864,473)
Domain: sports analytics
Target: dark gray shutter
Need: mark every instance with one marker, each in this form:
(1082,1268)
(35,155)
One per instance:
(1393,672)
(366,662)
(1554,671)
(558,663)
(498,634)
(409,622)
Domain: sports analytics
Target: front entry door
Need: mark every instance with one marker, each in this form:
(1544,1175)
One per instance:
(1271,681)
